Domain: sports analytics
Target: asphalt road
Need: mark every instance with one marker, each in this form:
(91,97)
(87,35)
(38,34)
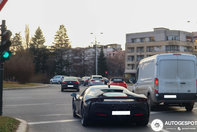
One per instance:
(49,110)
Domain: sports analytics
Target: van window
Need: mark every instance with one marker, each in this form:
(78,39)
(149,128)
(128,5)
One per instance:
(168,69)
(186,69)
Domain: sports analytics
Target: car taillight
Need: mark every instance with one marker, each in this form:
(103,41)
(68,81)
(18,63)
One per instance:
(156,85)
(92,80)
(141,100)
(102,80)
(64,82)
(76,82)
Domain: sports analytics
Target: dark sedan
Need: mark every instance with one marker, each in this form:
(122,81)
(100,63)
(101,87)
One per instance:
(70,83)
(102,102)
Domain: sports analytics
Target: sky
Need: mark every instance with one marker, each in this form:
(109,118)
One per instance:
(113,18)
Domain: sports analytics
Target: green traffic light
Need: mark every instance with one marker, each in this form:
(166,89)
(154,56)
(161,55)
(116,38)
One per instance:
(6,55)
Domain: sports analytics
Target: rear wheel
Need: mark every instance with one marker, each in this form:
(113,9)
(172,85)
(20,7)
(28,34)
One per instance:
(143,122)
(74,111)
(189,106)
(78,90)
(62,90)
(84,118)
(152,106)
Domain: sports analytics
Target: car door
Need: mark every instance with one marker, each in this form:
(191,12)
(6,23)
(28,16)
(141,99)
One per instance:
(186,75)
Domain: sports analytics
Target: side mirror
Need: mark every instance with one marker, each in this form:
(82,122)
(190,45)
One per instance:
(74,95)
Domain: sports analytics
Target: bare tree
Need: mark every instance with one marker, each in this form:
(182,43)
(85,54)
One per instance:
(27,38)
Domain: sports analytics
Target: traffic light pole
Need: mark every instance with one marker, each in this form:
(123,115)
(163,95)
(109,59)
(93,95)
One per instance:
(3,28)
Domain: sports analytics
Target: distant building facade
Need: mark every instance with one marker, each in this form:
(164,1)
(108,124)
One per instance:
(161,40)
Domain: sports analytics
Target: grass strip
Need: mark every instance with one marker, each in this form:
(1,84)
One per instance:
(8,124)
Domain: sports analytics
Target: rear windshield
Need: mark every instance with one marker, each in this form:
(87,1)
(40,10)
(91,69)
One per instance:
(117,80)
(70,79)
(97,78)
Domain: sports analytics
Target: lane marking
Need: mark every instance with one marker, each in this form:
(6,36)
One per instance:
(15,105)
(49,122)
(56,115)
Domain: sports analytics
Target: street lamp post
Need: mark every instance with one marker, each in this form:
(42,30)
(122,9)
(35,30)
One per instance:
(96,56)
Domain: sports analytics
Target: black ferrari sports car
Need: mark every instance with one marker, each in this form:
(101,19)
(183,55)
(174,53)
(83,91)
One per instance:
(105,102)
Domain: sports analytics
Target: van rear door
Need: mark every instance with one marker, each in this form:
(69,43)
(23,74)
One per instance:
(167,70)
(186,74)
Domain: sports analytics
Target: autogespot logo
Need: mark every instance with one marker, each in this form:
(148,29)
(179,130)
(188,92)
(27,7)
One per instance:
(157,125)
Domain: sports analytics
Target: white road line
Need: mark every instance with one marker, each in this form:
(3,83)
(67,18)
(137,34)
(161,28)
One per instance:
(56,115)
(27,104)
(49,122)
(15,105)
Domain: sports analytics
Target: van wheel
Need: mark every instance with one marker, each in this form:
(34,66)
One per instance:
(189,106)
(150,103)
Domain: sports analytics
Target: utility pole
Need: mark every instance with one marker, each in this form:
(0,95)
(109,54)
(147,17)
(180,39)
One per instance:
(3,28)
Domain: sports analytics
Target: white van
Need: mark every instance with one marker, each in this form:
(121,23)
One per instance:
(169,79)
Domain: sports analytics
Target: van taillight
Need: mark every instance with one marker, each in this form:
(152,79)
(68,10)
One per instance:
(156,85)
(156,81)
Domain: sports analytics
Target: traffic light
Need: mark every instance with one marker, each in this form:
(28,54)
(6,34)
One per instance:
(5,44)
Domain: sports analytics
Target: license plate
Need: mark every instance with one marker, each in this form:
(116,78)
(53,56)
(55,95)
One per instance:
(121,113)
(70,86)
(97,81)
(170,96)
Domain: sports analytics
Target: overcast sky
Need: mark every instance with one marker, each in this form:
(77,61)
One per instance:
(114,18)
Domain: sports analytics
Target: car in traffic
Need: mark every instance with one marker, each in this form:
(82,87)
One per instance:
(70,83)
(57,79)
(96,80)
(110,103)
(168,79)
(85,80)
(118,81)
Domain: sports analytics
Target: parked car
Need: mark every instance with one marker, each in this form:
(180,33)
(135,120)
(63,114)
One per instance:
(117,81)
(70,83)
(106,103)
(57,79)
(169,79)
(96,80)
(85,80)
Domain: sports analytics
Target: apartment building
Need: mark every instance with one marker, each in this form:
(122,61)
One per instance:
(160,40)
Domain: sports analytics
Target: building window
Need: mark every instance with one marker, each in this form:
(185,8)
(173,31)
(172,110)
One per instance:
(147,39)
(149,48)
(195,47)
(131,50)
(142,39)
(188,49)
(149,55)
(172,48)
(130,66)
(140,49)
(130,58)
(152,39)
(139,57)
(173,37)
(134,40)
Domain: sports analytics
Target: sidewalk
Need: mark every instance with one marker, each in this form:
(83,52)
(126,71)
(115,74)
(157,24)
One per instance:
(31,87)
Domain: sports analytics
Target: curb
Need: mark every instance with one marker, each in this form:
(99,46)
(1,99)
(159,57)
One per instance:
(18,88)
(23,127)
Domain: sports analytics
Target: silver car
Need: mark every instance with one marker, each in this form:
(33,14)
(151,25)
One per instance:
(57,79)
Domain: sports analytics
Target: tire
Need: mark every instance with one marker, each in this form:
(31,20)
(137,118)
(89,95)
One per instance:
(143,122)
(74,111)
(84,118)
(78,90)
(189,106)
(62,90)
(152,106)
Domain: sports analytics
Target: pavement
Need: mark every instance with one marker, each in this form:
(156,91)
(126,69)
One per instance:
(23,126)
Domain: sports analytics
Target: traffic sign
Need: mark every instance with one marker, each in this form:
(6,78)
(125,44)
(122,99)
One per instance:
(2,3)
